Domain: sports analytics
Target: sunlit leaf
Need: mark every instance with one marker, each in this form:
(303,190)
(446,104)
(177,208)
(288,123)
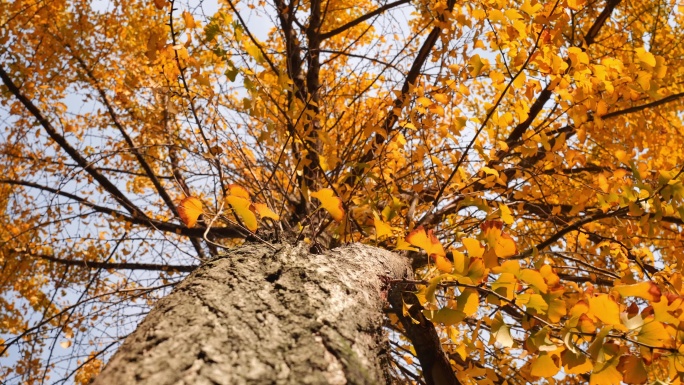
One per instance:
(426,241)
(533,278)
(646,290)
(445,316)
(468,302)
(505,213)
(403,245)
(606,373)
(265,212)
(544,366)
(473,246)
(381,228)
(238,191)
(242,207)
(576,363)
(605,308)
(443,264)
(646,57)
(653,333)
(501,332)
(330,203)
(189,20)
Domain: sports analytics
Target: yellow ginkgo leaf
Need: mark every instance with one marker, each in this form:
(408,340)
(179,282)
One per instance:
(381,228)
(606,373)
(502,243)
(265,212)
(605,308)
(330,203)
(426,241)
(241,207)
(533,278)
(505,213)
(238,191)
(653,333)
(403,245)
(646,57)
(474,247)
(646,290)
(189,210)
(544,366)
(443,264)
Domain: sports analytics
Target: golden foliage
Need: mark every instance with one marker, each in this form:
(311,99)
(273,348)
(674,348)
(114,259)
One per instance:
(540,142)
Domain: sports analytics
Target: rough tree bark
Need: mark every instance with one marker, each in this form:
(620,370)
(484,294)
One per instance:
(262,316)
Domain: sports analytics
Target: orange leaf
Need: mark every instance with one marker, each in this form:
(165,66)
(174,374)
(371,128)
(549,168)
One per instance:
(264,211)
(241,207)
(330,203)
(426,241)
(189,210)
(189,20)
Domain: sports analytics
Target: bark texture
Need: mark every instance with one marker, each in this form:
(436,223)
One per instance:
(257,316)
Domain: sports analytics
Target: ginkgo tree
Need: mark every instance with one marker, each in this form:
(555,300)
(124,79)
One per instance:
(526,156)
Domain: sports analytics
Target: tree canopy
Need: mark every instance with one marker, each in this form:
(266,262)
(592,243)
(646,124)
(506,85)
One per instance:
(526,154)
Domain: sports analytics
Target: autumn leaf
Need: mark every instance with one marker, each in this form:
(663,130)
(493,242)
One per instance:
(646,290)
(544,366)
(381,228)
(331,203)
(605,308)
(426,241)
(443,264)
(498,240)
(189,20)
(243,209)
(402,244)
(238,191)
(606,373)
(505,213)
(189,209)
(431,245)
(501,332)
(652,333)
(633,370)
(473,247)
(264,211)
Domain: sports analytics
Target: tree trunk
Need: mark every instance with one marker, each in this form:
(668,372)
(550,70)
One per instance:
(267,317)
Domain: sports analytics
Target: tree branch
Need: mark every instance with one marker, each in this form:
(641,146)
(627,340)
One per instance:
(118,265)
(363,18)
(220,232)
(72,152)
(436,367)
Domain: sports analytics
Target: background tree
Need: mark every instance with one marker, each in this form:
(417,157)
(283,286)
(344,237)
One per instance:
(528,152)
